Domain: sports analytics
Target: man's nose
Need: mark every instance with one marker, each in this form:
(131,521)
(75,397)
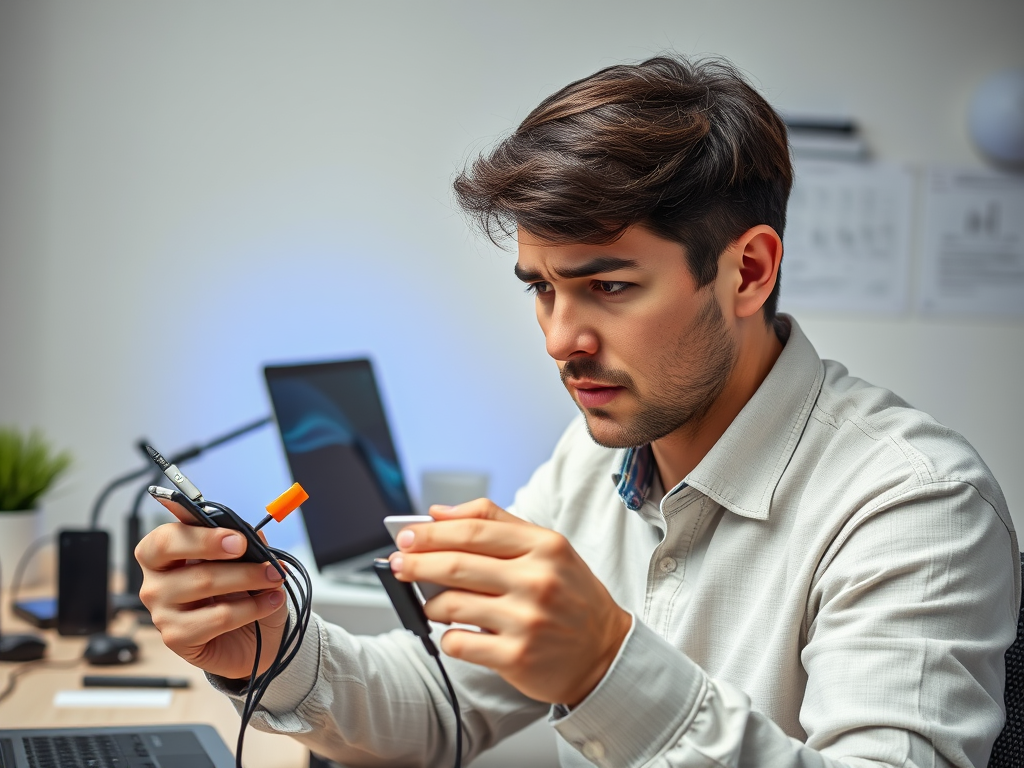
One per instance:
(567,332)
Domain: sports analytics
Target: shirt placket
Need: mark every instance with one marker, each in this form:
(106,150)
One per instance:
(667,587)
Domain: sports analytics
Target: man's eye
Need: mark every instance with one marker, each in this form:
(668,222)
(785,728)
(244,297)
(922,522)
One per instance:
(612,287)
(538,288)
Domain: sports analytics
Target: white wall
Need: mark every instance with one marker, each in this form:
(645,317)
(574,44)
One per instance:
(189,189)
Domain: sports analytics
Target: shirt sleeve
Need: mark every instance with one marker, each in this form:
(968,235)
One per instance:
(907,626)
(381,701)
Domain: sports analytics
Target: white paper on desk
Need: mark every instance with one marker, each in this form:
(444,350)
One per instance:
(973,255)
(847,239)
(133,698)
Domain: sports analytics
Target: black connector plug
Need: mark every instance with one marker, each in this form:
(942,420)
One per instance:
(407,605)
(403,596)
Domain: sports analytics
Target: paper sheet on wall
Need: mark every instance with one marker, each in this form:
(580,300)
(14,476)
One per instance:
(847,239)
(973,244)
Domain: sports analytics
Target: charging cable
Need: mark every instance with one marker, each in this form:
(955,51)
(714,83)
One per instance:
(410,613)
(297,584)
(299,587)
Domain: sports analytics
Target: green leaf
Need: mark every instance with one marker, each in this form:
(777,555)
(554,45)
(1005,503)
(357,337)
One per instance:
(28,468)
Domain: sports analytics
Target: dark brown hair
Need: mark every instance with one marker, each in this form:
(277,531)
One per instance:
(687,149)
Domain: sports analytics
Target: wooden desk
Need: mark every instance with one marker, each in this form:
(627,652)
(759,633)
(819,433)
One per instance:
(31,703)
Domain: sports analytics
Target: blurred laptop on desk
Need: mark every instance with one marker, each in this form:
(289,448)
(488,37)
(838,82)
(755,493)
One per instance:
(339,447)
(155,746)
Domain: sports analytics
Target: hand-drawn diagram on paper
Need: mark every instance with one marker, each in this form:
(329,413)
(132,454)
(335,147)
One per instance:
(847,239)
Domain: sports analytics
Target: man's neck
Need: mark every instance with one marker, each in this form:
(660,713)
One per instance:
(679,452)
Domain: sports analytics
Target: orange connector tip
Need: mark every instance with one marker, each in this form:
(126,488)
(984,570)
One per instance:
(287,502)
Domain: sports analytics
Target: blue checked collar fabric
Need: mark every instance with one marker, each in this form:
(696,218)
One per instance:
(633,481)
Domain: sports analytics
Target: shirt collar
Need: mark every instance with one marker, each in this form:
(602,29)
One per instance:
(633,480)
(742,470)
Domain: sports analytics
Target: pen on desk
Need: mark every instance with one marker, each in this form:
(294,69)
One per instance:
(126,681)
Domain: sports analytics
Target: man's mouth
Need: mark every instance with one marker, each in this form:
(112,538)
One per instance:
(594,395)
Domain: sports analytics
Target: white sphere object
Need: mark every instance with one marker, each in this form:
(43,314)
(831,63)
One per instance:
(996,117)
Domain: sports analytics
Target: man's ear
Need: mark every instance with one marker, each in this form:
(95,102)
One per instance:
(754,259)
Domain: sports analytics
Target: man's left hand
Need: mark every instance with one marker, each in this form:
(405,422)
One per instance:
(552,629)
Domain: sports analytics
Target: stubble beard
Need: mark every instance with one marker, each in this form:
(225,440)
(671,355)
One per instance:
(682,400)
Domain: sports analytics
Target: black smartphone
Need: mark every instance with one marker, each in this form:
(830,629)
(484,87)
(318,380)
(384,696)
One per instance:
(211,517)
(83,588)
(39,612)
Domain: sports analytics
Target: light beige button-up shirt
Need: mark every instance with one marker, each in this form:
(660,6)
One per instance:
(834,584)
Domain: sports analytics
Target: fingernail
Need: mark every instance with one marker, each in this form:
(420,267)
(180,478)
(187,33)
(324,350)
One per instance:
(405,538)
(396,564)
(233,544)
(272,574)
(275,599)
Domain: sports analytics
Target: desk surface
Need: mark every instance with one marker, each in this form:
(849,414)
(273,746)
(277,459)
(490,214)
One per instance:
(31,703)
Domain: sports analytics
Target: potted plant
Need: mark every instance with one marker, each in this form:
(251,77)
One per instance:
(28,469)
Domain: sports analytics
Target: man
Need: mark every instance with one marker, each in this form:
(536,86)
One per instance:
(739,555)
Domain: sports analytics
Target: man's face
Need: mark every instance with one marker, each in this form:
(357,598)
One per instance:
(641,350)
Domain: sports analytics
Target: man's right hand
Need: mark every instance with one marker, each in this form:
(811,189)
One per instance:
(203,607)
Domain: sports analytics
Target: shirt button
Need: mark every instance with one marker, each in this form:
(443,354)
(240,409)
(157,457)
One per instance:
(593,751)
(667,564)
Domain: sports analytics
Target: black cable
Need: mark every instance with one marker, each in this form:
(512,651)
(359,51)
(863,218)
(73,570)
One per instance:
(23,561)
(133,534)
(142,493)
(227,438)
(299,588)
(28,666)
(252,682)
(455,709)
(97,507)
(407,605)
(178,458)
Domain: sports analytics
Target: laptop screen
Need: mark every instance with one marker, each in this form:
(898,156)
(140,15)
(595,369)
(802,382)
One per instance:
(339,448)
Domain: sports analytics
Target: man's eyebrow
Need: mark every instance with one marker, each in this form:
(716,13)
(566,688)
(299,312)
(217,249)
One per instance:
(527,275)
(593,267)
(596,266)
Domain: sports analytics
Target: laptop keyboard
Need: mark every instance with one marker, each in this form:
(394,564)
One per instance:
(100,751)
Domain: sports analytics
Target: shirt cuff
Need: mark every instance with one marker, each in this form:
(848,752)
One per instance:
(665,684)
(278,709)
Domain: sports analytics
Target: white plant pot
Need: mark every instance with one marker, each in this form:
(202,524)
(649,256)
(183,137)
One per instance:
(17,532)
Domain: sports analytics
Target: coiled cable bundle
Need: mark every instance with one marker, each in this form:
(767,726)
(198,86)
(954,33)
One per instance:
(299,589)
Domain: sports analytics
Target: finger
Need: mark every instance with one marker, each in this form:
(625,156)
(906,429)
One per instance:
(484,648)
(490,613)
(204,580)
(178,511)
(274,620)
(480,508)
(172,544)
(481,536)
(201,625)
(461,570)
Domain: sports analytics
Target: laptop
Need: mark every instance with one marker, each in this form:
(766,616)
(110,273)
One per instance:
(339,448)
(144,746)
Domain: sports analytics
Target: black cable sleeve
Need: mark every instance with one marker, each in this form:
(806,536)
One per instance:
(143,493)
(455,708)
(113,485)
(27,666)
(23,561)
(246,715)
(299,589)
(184,455)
